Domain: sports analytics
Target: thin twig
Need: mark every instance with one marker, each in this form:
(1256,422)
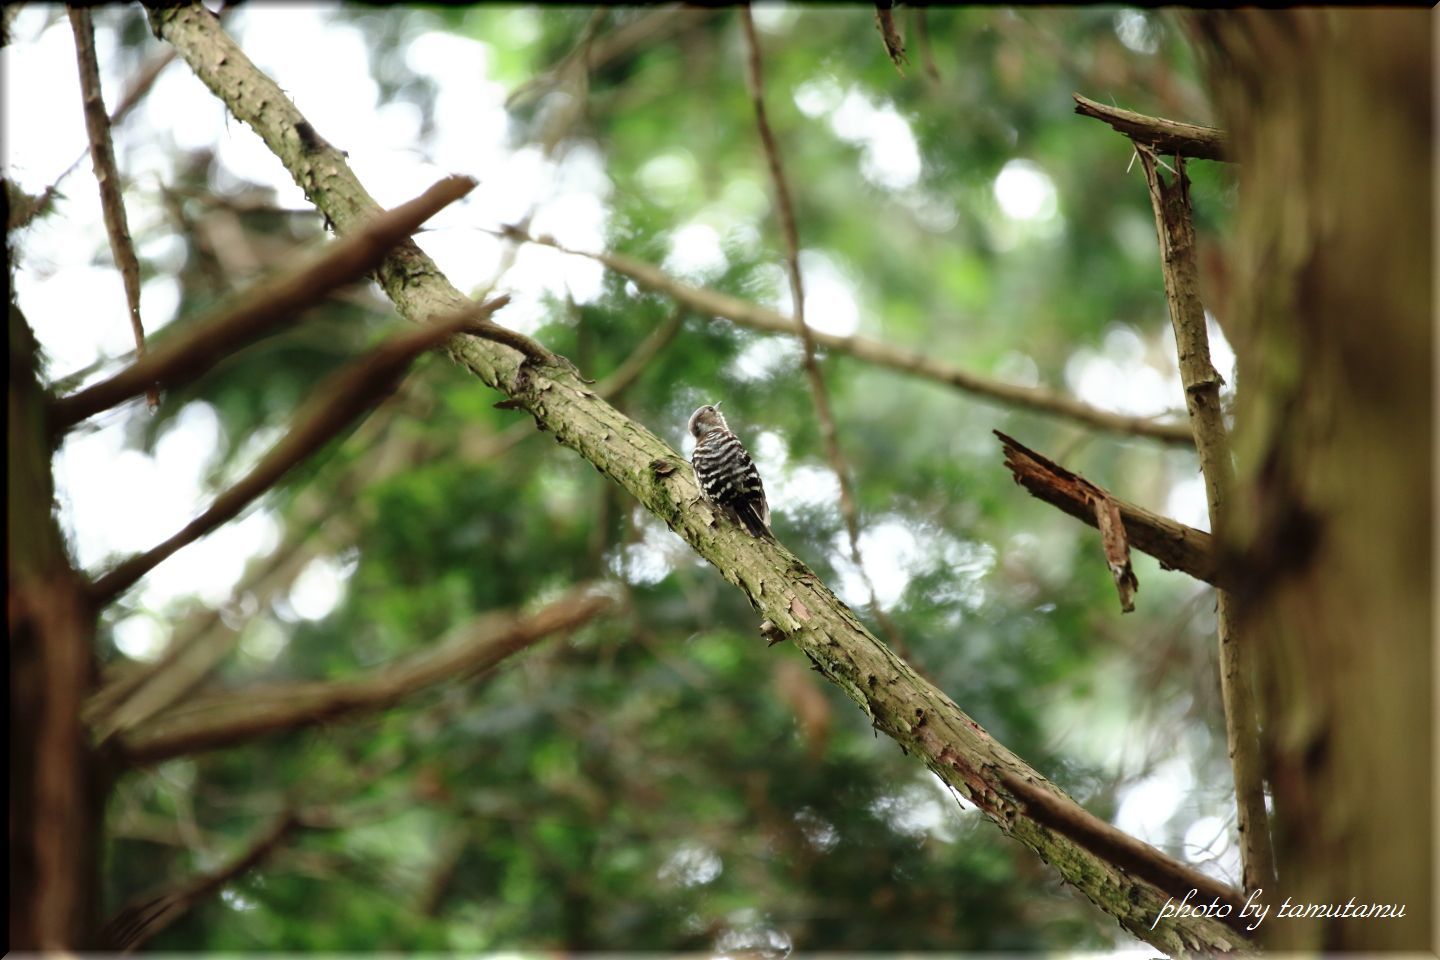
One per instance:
(338,402)
(263,309)
(226,719)
(645,351)
(102,156)
(708,302)
(134,93)
(819,394)
(1175,229)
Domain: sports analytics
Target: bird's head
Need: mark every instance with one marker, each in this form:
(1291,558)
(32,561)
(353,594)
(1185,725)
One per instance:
(706,420)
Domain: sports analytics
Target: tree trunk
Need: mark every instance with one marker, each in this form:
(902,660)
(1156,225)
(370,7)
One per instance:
(1331,117)
(55,793)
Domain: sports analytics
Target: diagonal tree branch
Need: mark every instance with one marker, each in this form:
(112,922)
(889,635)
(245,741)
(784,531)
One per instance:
(338,403)
(102,156)
(819,393)
(264,308)
(226,719)
(755,317)
(1164,136)
(143,919)
(913,712)
(1175,545)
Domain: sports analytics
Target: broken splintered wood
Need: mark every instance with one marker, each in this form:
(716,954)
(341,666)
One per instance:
(1175,545)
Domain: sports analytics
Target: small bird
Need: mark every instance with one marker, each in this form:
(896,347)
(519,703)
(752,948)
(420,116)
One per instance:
(726,473)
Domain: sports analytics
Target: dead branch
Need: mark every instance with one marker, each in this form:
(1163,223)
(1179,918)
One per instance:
(139,86)
(227,719)
(1175,545)
(1175,229)
(338,402)
(141,920)
(746,314)
(890,34)
(1166,137)
(102,156)
(264,308)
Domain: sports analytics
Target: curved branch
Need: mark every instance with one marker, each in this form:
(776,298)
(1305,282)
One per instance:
(226,719)
(747,314)
(908,709)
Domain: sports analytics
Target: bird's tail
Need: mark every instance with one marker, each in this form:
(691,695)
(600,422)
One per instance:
(750,518)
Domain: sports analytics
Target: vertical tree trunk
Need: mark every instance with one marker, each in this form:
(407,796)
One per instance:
(1331,114)
(54,805)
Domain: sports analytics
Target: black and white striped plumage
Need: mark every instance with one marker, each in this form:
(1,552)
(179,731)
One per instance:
(726,473)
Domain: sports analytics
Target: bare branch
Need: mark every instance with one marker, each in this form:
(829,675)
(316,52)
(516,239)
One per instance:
(141,920)
(102,156)
(1164,136)
(227,719)
(743,313)
(264,308)
(338,402)
(819,394)
(1175,229)
(894,44)
(134,93)
(645,351)
(196,649)
(1175,545)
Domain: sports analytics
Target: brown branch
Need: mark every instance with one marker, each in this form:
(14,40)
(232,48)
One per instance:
(338,402)
(197,648)
(819,393)
(264,308)
(139,87)
(894,44)
(1164,136)
(102,156)
(1175,545)
(1175,229)
(144,918)
(227,719)
(645,351)
(1121,849)
(755,317)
